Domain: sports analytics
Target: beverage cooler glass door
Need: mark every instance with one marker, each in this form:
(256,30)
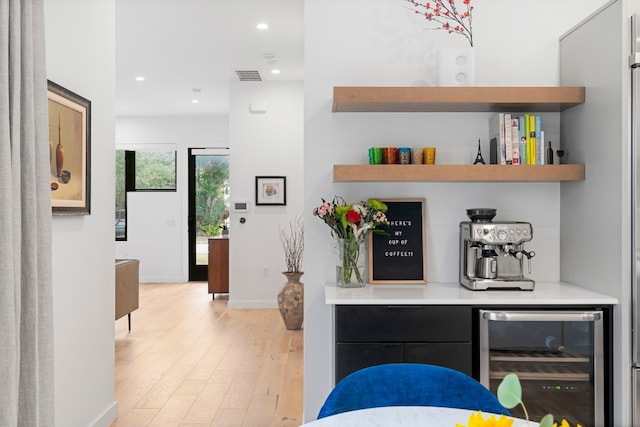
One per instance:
(557,355)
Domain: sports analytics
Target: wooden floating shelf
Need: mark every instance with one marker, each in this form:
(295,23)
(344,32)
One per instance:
(455,99)
(458,173)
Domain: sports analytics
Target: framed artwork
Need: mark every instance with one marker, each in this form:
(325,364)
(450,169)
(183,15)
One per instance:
(399,255)
(271,190)
(69,151)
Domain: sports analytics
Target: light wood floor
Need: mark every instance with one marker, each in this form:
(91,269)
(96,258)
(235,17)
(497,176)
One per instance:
(191,361)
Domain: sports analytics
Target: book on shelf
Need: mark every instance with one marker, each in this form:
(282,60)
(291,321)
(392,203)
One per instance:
(539,141)
(531,139)
(508,151)
(522,128)
(497,146)
(515,141)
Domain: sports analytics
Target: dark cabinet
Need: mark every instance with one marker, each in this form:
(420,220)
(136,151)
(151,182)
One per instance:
(218,273)
(368,335)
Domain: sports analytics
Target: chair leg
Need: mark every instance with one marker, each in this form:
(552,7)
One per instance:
(129,319)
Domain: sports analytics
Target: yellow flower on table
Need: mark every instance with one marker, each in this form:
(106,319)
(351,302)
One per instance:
(564,423)
(477,420)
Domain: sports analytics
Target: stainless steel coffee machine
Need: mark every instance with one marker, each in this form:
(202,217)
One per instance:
(492,254)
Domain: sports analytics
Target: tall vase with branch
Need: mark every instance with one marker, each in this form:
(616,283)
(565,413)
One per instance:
(292,240)
(445,15)
(455,67)
(291,294)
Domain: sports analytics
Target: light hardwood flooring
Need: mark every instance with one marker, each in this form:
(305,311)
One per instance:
(191,361)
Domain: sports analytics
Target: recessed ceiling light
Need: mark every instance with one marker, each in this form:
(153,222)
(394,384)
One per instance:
(262,26)
(194,101)
(275,71)
(140,78)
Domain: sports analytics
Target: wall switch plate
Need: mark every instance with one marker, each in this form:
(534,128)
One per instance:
(241,206)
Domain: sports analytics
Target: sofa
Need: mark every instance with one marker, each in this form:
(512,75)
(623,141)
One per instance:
(127,281)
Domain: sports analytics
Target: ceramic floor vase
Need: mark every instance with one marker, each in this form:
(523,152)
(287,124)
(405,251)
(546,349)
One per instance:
(291,301)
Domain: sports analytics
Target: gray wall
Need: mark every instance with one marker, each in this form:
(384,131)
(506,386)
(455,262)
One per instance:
(80,44)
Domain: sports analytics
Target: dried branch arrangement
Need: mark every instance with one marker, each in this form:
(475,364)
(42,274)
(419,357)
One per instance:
(293,245)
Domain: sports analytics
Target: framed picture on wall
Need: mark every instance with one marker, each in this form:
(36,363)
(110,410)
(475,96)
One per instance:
(271,190)
(69,151)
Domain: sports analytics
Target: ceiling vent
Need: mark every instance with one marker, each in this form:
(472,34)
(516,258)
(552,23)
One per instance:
(249,75)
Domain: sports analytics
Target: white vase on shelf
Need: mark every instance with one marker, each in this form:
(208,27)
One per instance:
(456,67)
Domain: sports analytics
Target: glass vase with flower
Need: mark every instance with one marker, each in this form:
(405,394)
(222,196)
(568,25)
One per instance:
(350,224)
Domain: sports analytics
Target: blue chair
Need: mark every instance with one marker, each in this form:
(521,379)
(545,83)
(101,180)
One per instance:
(409,384)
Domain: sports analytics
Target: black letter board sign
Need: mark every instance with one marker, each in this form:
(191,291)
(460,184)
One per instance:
(398,256)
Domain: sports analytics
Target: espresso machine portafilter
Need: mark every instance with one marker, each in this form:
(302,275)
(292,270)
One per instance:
(492,254)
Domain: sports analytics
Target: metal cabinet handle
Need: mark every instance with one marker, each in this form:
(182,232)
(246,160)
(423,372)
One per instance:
(542,316)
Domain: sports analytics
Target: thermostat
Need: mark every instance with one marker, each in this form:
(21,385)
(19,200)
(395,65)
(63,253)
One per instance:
(241,206)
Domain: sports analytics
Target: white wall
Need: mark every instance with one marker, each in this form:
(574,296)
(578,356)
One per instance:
(264,144)
(80,45)
(516,43)
(157,221)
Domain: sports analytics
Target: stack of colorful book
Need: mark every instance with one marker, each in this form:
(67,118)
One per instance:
(516,140)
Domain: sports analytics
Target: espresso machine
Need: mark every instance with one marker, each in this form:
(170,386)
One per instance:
(492,254)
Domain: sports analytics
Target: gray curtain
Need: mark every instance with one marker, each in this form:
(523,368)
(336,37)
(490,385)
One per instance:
(26,330)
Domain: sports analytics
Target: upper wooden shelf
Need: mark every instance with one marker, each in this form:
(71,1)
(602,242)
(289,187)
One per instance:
(458,173)
(455,99)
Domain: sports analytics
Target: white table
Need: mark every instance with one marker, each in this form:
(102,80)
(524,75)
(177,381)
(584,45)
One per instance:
(405,416)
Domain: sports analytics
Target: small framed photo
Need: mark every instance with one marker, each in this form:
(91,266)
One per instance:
(271,190)
(69,151)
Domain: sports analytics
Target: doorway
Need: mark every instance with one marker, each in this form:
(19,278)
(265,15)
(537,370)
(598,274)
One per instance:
(208,204)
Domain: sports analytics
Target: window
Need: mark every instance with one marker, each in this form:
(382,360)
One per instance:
(121,197)
(141,170)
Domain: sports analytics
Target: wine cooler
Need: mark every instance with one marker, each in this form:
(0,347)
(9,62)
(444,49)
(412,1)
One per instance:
(557,355)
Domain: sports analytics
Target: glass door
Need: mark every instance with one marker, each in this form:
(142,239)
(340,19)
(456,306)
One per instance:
(208,205)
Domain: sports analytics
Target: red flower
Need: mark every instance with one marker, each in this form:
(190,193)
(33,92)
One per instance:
(353,217)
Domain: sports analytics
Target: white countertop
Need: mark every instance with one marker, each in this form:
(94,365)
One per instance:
(545,293)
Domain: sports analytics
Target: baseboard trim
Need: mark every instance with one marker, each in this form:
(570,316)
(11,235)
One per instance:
(163,279)
(107,417)
(251,304)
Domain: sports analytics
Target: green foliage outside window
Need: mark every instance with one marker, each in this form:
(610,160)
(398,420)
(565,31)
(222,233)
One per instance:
(121,197)
(155,170)
(212,194)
